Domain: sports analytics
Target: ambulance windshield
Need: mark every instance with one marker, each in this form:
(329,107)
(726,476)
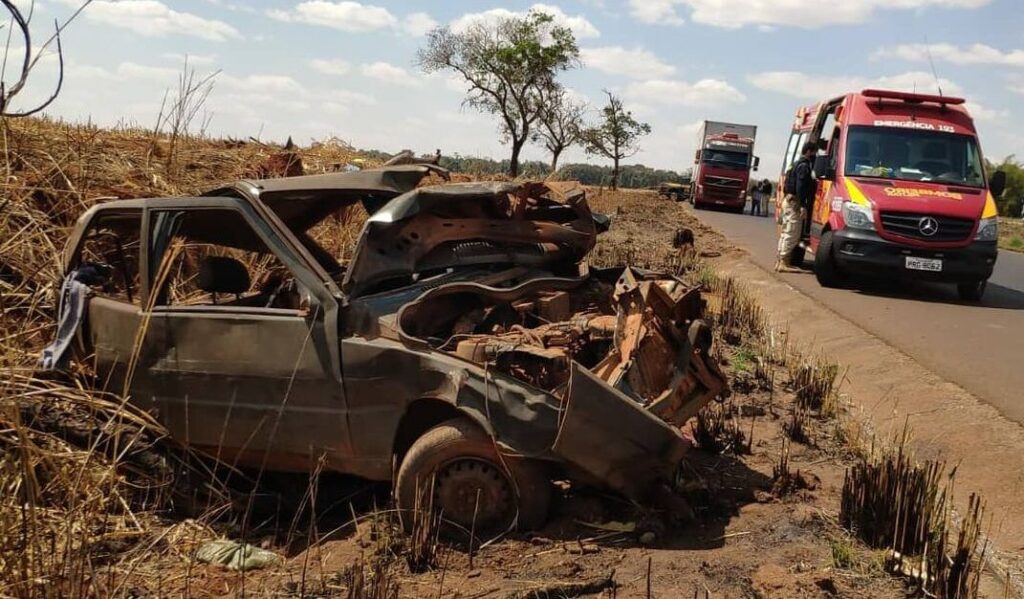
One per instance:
(913,155)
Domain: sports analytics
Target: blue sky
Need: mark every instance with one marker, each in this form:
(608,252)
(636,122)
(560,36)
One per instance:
(320,68)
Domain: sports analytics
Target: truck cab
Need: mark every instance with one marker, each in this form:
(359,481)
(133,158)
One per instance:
(722,165)
(901,190)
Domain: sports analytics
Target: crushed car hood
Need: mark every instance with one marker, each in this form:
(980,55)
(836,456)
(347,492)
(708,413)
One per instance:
(430,229)
(301,202)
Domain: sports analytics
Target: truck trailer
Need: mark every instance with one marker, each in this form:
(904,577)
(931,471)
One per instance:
(722,165)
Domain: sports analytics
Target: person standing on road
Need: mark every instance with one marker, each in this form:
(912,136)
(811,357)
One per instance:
(756,196)
(760,198)
(799,195)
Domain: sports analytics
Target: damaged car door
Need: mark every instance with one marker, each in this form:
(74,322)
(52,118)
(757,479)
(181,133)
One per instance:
(246,362)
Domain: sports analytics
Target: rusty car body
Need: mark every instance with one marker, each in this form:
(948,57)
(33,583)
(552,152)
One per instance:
(470,303)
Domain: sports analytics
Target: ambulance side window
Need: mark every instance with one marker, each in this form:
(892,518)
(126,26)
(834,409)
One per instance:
(790,151)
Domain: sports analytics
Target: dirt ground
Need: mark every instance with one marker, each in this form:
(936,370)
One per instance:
(745,539)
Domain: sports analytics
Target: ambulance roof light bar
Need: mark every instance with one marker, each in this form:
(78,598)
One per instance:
(911,98)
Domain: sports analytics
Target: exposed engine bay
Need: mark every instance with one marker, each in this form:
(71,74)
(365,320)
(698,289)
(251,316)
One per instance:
(641,333)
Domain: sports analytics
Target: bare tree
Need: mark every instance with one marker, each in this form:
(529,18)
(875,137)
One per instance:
(185,106)
(560,123)
(22,22)
(616,136)
(507,64)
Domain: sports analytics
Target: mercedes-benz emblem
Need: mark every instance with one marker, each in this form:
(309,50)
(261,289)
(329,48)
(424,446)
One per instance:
(928,226)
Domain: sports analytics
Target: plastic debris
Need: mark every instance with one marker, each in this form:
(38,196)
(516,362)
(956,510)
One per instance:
(235,555)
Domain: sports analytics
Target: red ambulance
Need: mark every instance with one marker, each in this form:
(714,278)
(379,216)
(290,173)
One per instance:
(902,190)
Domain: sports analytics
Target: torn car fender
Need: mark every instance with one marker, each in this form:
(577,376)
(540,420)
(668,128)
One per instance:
(613,439)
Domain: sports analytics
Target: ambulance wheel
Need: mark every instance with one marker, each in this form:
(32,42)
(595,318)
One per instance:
(825,269)
(971,292)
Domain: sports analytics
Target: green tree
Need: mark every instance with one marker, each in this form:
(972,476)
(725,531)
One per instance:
(617,136)
(508,64)
(1012,200)
(560,123)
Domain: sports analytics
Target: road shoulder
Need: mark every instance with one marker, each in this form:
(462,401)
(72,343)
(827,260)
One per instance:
(889,389)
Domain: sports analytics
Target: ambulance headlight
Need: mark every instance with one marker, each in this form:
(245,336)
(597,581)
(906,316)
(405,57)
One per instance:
(858,216)
(988,229)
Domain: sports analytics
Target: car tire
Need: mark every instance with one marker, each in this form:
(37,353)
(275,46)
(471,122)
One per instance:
(973,291)
(825,268)
(460,459)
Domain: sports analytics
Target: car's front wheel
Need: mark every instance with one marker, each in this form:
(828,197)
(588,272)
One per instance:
(972,291)
(461,464)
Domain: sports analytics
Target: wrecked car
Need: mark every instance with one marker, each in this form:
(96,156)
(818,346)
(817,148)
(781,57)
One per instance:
(465,342)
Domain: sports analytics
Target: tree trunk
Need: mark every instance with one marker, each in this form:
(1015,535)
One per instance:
(554,161)
(615,174)
(513,166)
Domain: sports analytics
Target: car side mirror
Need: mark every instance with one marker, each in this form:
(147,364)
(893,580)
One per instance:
(757,162)
(997,184)
(696,157)
(823,167)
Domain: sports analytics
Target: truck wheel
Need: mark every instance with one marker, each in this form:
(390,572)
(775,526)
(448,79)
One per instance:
(972,291)
(825,269)
(461,460)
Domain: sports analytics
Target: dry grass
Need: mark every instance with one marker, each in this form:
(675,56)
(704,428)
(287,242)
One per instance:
(815,383)
(718,428)
(1011,234)
(87,481)
(892,502)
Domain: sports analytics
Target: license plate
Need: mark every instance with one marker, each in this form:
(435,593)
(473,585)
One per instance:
(929,264)
(719,202)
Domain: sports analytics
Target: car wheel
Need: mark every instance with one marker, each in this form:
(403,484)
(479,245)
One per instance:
(972,291)
(461,461)
(825,269)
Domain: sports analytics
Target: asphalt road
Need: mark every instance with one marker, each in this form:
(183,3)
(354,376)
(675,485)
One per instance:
(979,346)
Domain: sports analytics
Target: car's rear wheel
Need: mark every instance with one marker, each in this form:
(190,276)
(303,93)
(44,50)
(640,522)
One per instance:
(825,268)
(972,291)
(460,462)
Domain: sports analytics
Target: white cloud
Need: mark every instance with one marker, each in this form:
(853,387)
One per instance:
(815,87)
(330,66)
(806,14)
(418,23)
(345,16)
(131,70)
(706,92)
(155,19)
(195,60)
(636,63)
(983,113)
(1016,85)
(580,26)
(656,12)
(389,73)
(968,55)
(261,84)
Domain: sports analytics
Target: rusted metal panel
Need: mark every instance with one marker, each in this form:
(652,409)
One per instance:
(474,295)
